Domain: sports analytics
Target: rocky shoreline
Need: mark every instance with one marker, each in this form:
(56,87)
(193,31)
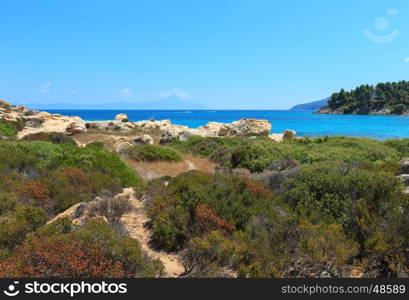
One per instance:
(325,110)
(39,121)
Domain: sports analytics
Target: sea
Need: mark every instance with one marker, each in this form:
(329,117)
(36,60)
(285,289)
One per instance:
(305,123)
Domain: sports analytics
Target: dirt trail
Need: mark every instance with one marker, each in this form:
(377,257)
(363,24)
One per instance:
(135,223)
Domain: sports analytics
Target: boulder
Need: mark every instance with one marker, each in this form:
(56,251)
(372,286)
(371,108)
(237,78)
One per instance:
(75,128)
(278,137)
(123,147)
(404,166)
(114,125)
(4,104)
(405,179)
(34,122)
(383,111)
(216,129)
(145,139)
(151,125)
(174,132)
(252,127)
(289,134)
(122,118)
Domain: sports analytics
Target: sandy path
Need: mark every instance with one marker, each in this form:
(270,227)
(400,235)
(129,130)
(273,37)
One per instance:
(135,223)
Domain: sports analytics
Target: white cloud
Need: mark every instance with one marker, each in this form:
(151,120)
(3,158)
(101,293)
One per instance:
(177,92)
(126,92)
(45,87)
(406,59)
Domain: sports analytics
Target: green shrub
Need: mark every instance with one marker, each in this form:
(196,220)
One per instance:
(400,145)
(120,248)
(258,156)
(72,174)
(206,146)
(53,137)
(152,153)
(332,189)
(7,130)
(231,199)
(206,256)
(117,246)
(8,202)
(16,224)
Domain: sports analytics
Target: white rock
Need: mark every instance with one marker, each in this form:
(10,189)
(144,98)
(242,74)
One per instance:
(122,118)
(122,147)
(145,139)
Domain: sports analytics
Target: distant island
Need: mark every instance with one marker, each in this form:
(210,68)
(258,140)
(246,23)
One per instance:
(390,98)
(314,105)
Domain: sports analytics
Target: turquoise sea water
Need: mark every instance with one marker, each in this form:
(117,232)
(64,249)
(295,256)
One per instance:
(306,123)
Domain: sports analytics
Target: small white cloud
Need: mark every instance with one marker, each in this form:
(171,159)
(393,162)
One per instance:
(126,92)
(177,92)
(45,87)
(406,59)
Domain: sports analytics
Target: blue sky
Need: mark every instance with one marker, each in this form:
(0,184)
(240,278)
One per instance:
(225,54)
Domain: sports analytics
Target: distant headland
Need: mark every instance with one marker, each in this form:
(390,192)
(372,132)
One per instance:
(390,98)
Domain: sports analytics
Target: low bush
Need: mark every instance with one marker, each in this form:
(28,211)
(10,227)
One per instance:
(191,199)
(57,176)
(53,137)
(16,223)
(152,153)
(258,156)
(7,130)
(206,146)
(119,255)
(60,256)
(111,208)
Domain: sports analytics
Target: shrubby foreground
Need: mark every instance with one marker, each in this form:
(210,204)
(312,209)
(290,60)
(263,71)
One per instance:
(322,207)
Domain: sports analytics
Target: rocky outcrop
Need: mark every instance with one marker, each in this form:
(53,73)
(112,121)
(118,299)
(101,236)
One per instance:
(122,118)
(75,128)
(252,127)
(40,121)
(114,125)
(36,121)
(243,127)
(217,129)
(144,139)
(122,148)
(404,166)
(152,124)
(325,110)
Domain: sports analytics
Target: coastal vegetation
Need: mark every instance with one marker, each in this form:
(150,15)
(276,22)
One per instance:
(73,205)
(383,98)
(329,206)
(7,130)
(152,153)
